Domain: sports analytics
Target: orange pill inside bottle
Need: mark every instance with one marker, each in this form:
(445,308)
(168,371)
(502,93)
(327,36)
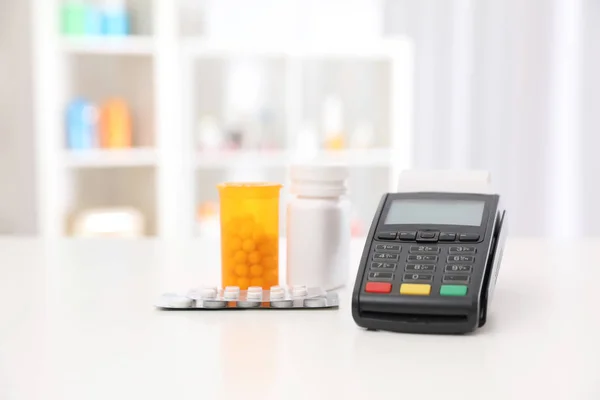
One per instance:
(249,223)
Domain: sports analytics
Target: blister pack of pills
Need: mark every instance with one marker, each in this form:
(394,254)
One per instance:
(232,298)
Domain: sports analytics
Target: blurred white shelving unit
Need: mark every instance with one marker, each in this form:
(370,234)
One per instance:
(294,59)
(156,71)
(283,158)
(383,49)
(133,45)
(136,157)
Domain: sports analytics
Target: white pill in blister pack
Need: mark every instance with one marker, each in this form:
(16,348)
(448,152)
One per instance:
(248,304)
(254,295)
(277,297)
(173,300)
(209,293)
(277,293)
(317,302)
(282,303)
(231,293)
(299,291)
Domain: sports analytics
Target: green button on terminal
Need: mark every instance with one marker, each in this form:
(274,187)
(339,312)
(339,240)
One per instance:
(453,290)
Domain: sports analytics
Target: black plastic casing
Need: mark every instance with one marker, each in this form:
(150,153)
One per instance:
(433,313)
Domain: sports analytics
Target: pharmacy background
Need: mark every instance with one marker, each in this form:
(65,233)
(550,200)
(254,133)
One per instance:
(299,199)
(120,117)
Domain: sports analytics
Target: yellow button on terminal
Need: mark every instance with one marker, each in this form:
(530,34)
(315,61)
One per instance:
(415,289)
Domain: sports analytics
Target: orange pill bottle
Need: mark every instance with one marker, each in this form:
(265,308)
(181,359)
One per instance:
(115,125)
(249,234)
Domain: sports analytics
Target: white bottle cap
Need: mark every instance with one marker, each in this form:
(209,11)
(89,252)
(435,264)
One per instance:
(319,180)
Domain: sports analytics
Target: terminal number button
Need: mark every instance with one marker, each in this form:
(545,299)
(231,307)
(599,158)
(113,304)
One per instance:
(461,250)
(461,259)
(425,249)
(392,248)
(417,277)
(378,287)
(380,265)
(413,257)
(415,289)
(385,256)
(420,267)
(458,268)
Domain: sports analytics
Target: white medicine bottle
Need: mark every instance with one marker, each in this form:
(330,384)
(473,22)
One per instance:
(318,226)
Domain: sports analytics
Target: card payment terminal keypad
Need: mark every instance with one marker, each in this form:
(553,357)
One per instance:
(410,269)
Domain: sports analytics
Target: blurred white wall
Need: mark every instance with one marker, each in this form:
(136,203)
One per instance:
(512,86)
(17,185)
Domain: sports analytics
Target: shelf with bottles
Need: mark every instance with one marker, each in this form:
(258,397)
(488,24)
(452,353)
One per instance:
(109,112)
(345,105)
(109,19)
(237,105)
(111,203)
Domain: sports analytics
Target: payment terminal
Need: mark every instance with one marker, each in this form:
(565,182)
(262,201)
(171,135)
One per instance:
(432,255)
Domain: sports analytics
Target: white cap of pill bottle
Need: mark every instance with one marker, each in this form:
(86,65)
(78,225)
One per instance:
(318,226)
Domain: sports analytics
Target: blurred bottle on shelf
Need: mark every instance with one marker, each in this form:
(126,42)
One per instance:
(307,143)
(209,134)
(115,125)
(82,125)
(235,135)
(208,219)
(115,18)
(362,136)
(122,222)
(73,17)
(244,100)
(250,125)
(93,20)
(268,137)
(333,117)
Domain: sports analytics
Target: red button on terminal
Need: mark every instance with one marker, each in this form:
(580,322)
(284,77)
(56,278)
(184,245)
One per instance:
(378,287)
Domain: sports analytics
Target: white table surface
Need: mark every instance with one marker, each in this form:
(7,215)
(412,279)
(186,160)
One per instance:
(78,323)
